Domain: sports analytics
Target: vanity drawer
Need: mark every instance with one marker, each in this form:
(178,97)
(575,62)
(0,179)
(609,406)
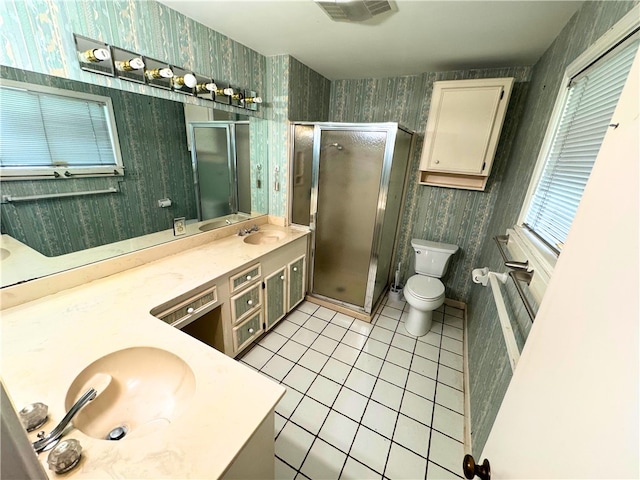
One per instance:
(245,333)
(192,306)
(245,302)
(244,278)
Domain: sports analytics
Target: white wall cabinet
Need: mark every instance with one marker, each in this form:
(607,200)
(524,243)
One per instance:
(463,129)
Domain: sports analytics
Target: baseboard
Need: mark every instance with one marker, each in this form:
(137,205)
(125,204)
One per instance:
(467,397)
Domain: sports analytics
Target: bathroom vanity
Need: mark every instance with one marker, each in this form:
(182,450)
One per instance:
(223,290)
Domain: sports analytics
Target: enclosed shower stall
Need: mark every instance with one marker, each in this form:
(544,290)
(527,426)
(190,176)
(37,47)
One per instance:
(348,187)
(221,167)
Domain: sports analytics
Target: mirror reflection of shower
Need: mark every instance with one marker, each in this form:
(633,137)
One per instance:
(221,168)
(348,182)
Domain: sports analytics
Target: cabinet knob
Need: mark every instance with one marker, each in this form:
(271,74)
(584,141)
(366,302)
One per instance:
(190,310)
(251,330)
(295,269)
(248,277)
(249,302)
(471,469)
(437,161)
(281,277)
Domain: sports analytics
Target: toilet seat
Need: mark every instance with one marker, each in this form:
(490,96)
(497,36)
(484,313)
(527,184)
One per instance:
(425,288)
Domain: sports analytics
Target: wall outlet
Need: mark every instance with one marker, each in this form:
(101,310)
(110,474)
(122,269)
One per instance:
(179,226)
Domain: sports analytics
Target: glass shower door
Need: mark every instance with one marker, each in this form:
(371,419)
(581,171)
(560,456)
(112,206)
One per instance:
(349,171)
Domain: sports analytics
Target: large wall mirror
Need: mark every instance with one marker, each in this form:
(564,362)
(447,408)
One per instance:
(45,231)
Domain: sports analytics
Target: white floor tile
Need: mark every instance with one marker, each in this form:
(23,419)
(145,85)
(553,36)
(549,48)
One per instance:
(338,431)
(310,414)
(286,328)
(448,422)
(450,377)
(417,407)
(403,342)
(380,419)
(277,367)
(369,363)
(451,360)
(304,336)
(336,370)
(376,348)
(342,320)
(381,334)
(315,324)
(323,461)
(324,313)
(445,451)
(354,470)
(394,374)
(371,449)
(360,382)
(424,366)
(292,351)
(452,345)
(278,423)
(412,435)
(299,378)
(453,321)
(404,464)
(391,312)
(292,444)
(324,345)
(273,341)
(432,338)
(289,402)
(399,304)
(350,403)
(346,354)
(387,322)
(450,397)
(387,394)
(452,332)
(354,340)
(324,390)
(257,357)
(427,350)
(456,312)
(298,317)
(284,471)
(307,307)
(421,385)
(436,472)
(402,358)
(363,328)
(313,360)
(334,331)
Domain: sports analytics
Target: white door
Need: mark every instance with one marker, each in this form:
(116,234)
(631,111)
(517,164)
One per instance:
(571,410)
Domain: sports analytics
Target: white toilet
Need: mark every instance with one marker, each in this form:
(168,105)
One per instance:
(424,291)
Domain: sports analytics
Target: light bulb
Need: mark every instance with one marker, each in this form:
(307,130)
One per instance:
(132,64)
(95,55)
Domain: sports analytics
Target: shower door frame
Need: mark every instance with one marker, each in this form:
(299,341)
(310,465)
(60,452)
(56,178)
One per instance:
(232,159)
(391,129)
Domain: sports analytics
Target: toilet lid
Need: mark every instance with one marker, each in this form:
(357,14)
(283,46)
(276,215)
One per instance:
(425,287)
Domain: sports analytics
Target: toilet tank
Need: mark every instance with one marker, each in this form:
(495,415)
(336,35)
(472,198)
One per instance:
(432,258)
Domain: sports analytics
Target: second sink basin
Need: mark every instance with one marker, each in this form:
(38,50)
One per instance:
(264,236)
(140,390)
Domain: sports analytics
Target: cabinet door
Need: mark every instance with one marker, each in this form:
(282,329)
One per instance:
(296,282)
(464,125)
(244,333)
(275,296)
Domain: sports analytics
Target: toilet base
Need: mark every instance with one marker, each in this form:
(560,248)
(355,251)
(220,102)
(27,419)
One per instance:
(419,322)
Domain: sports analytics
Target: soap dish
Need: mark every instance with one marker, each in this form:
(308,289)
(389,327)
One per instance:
(33,416)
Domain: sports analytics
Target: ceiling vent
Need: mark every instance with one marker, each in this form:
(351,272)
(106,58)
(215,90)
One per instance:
(354,10)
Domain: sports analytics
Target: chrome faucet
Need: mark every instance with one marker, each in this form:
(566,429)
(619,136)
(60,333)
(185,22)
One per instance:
(246,231)
(53,437)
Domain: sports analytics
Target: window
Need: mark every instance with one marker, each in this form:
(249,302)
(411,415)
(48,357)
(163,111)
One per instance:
(51,133)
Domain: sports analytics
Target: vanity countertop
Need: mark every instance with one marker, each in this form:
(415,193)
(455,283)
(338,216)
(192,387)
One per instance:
(47,342)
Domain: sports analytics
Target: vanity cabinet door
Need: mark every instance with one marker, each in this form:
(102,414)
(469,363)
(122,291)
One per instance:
(244,333)
(275,296)
(296,282)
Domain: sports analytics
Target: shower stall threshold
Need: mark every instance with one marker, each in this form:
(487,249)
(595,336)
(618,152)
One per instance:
(347,309)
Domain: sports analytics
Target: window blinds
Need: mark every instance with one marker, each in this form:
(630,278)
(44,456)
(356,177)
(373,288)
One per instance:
(591,101)
(45,130)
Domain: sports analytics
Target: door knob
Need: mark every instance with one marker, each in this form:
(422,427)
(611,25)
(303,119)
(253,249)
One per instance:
(471,469)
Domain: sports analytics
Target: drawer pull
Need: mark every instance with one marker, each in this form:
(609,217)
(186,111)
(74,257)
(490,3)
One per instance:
(281,277)
(295,269)
(249,302)
(190,310)
(248,277)
(251,330)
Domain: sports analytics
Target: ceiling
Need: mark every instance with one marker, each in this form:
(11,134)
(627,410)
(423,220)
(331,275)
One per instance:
(420,36)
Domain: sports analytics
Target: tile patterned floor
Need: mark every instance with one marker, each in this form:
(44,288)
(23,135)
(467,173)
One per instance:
(365,401)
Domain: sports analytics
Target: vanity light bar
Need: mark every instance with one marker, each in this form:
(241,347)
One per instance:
(98,57)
